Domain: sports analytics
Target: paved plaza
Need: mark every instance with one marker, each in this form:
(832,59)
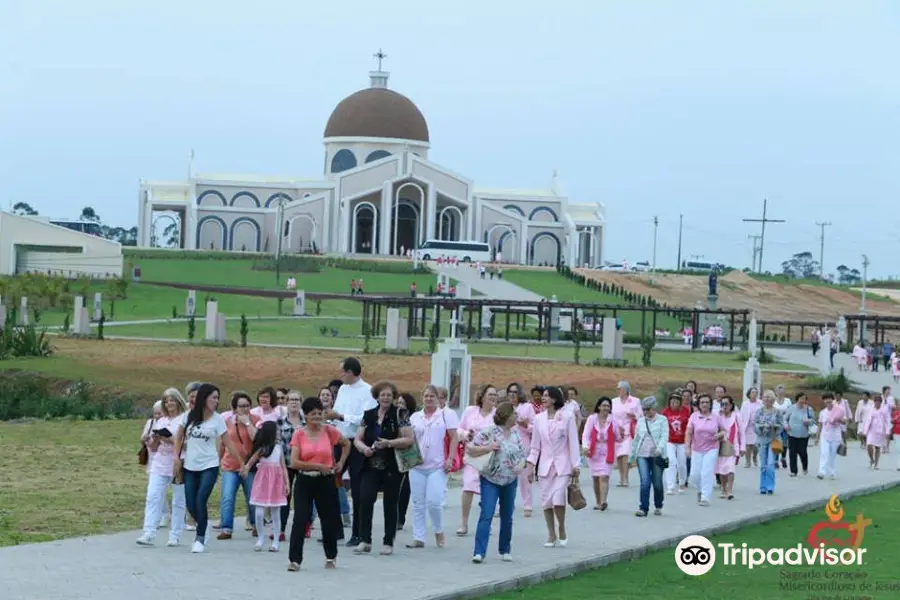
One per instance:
(113,567)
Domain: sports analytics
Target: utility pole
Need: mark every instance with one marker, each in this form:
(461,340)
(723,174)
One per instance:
(755,240)
(862,304)
(680,228)
(822,225)
(762,233)
(655,232)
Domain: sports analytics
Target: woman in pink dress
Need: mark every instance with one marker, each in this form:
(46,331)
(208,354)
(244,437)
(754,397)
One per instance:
(730,422)
(626,410)
(747,414)
(554,446)
(474,419)
(599,443)
(515,395)
(863,408)
(876,428)
(270,484)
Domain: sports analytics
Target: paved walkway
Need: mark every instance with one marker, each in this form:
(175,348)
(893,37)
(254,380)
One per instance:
(495,289)
(867,380)
(113,567)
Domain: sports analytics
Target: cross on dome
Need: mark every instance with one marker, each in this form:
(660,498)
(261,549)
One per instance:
(380,56)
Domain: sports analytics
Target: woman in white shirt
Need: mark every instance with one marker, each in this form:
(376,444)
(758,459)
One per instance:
(202,434)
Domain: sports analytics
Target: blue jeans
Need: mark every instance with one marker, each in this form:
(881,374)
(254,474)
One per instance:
(231,481)
(766,468)
(650,474)
(491,493)
(198,487)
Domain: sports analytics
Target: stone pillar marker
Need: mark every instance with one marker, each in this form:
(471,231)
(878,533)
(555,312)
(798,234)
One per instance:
(752,371)
(212,320)
(300,304)
(190,304)
(23,311)
(463,291)
(612,340)
(396,337)
(77,326)
(220,327)
(98,305)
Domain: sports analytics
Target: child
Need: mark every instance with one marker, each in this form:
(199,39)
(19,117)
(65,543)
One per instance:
(270,484)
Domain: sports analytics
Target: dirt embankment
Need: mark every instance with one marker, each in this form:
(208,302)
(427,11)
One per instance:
(772,301)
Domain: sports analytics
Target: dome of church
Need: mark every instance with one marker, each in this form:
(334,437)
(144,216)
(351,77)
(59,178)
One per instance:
(377,112)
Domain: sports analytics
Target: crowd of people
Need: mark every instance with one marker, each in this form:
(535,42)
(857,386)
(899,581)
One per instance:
(333,453)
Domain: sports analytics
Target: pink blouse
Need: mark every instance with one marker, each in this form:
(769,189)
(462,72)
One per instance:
(621,411)
(734,430)
(704,428)
(525,412)
(473,420)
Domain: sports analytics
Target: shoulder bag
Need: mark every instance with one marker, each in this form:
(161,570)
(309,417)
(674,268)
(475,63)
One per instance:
(480,463)
(408,457)
(458,453)
(661,460)
(813,426)
(574,495)
(144,453)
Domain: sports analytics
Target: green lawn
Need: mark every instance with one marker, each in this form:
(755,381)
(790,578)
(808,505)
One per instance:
(656,575)
(549,283)
(307,332)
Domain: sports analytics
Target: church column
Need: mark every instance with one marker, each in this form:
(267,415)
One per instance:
(386,215)
(595,244)
(523,246)
(148,218)
(430,212)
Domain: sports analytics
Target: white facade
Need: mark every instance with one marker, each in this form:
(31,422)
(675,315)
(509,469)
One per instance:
(32,245)
(379,195)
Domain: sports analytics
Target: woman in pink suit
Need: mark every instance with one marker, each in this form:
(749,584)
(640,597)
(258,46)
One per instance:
(474,419)
(626,410)
(749,408)
(524,426)
(730,422)
(876,428)
(554,445)
(599,442)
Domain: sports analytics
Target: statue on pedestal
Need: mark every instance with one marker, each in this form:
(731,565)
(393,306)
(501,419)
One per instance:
(713,283)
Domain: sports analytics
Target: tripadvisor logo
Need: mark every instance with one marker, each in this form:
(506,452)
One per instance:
(829,543)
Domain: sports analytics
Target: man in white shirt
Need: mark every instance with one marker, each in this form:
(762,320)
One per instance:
(717,398)
(354,398)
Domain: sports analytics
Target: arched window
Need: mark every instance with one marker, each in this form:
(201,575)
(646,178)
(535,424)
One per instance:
(378,154)
(344,160)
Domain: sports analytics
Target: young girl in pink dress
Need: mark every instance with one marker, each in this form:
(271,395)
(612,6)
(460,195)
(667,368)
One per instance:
(876,428)
(525,414)
(747,414)
(270,484)
(599,443)
(730,421)
(474,419)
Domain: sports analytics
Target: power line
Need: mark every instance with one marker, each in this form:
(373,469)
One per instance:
(822,225)
(762,234)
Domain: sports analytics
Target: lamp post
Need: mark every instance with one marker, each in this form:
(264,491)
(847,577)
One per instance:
(862,302)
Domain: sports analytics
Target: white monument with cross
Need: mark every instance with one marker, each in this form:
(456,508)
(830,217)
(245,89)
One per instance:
(451,367)
(752,371)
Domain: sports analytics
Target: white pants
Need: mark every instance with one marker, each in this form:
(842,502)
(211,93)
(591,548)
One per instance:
(156,500)
(703,472)
(428,494)
(677,465)
(828,457)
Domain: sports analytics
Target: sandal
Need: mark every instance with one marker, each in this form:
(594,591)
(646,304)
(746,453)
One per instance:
(294,567)
(439,540)
(330,564)
(597,507)
(415,544)
(363,548)
(462,532)
(604,506)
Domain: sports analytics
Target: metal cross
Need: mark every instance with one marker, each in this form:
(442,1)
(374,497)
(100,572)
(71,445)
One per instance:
(380,55)
(453,323)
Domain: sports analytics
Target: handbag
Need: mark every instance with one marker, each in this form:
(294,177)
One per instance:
(777,446)
(813,426)
(144,454)
(842,449)
(459,454)
(408,457)
(661,461)
(575,496)
(726,449)
(479,463)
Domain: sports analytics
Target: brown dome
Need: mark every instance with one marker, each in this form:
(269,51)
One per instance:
(377,112)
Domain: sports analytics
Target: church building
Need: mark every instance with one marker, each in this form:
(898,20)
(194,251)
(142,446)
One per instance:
(379,195)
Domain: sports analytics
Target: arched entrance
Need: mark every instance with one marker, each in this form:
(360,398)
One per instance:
(364,239)
(406,224)
(450,222)
(503,238)
(166,230)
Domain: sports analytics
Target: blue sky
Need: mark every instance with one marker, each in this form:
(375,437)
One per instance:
(653,108)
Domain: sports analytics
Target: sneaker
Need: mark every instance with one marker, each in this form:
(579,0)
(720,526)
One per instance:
(192,527)
(172,543)
(506,557)
(477,559)
(353,542)
(164,522)
(145,540)
(198,547)
(224,535)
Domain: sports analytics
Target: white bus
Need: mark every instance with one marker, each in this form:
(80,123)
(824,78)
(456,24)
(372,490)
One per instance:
(700,267)
(463,251)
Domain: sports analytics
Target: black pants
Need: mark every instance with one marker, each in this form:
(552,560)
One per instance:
(875,364)
(797,447)
(403,502)
(286,509)
(354,465)
(815,348)
(323,492)
(887,362)
(388,481)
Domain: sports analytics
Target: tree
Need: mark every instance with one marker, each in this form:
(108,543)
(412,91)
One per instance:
(801,266)
(89,214)
(23,208)
(847,275)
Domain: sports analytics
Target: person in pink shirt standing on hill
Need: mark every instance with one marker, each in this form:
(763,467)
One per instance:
(626,410)
(525,414)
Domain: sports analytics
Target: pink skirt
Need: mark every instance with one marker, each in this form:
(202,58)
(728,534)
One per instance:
(471,480)
(623,448)
(725,466)
(553,488)
(268,486)
(876,438)
(597,463)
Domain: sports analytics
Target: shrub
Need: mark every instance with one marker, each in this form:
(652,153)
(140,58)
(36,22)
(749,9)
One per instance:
(245,328)
(27,395)
(833,382)
(192,328)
